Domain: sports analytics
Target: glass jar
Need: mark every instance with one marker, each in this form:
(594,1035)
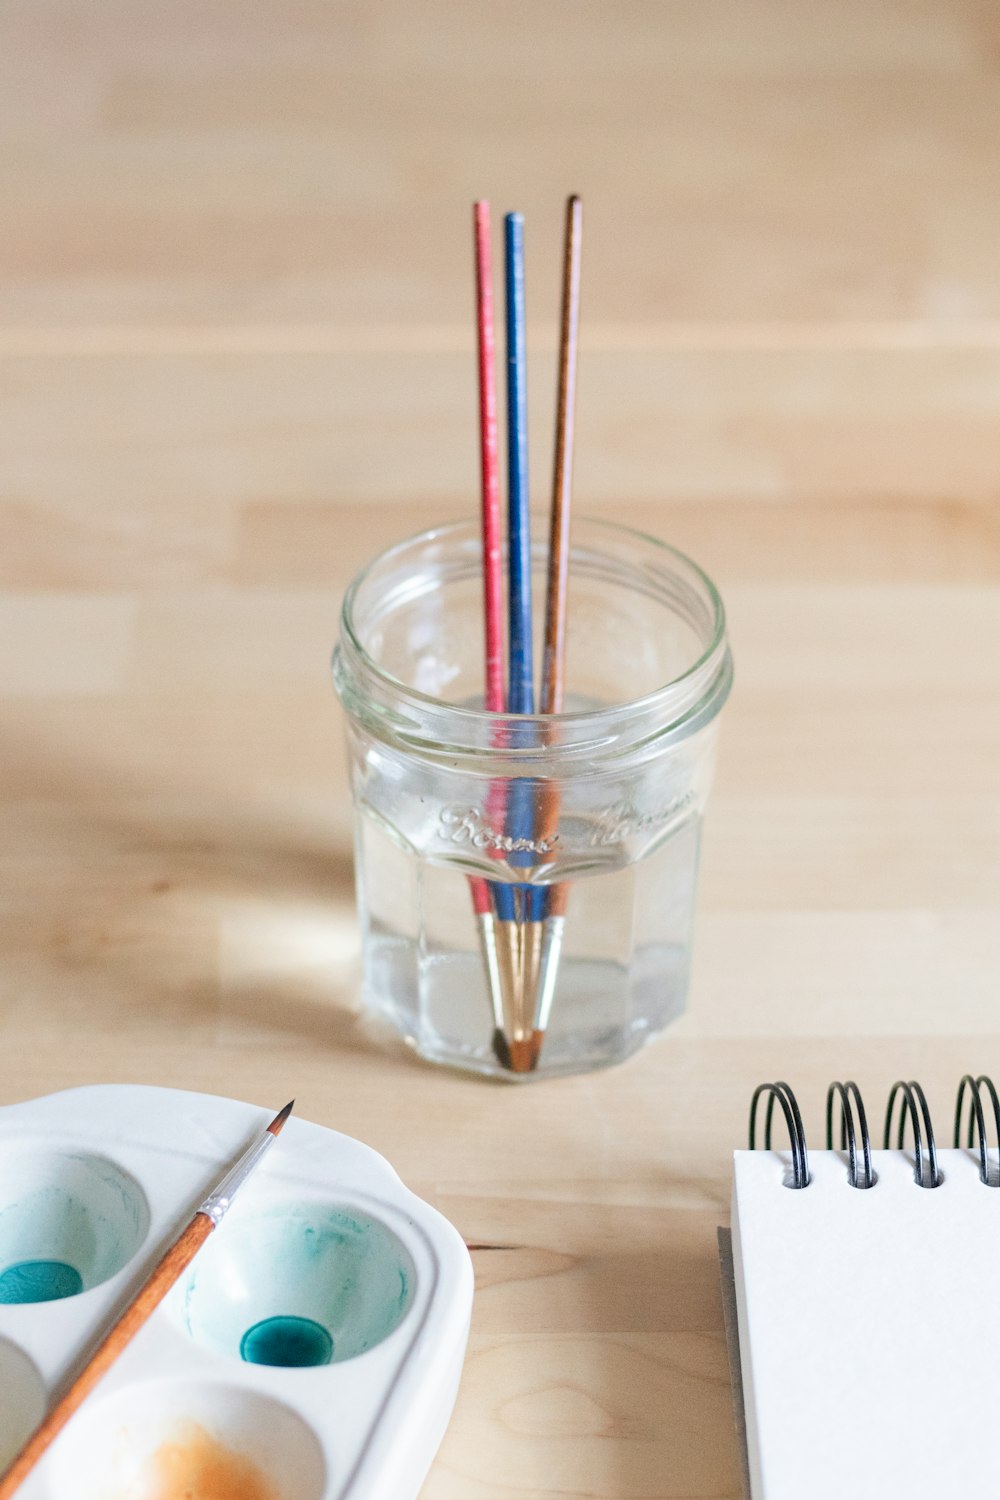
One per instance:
(526,883)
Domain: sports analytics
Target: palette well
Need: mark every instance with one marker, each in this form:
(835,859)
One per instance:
(312,1351)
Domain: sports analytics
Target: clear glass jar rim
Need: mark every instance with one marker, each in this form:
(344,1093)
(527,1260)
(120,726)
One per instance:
(641,705)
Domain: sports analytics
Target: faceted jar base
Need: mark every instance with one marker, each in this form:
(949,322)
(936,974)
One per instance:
(605,1011)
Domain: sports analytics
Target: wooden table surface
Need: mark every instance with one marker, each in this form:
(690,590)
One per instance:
(236,358)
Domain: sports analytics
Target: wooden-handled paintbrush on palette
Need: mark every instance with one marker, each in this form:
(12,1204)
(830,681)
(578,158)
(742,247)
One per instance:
(145,1302)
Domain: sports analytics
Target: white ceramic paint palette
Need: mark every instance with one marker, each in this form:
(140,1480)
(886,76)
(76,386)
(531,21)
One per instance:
(311,1351)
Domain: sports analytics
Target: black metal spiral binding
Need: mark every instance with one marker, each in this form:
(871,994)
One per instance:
(850,1101)
(915,1104)
(977,1118)
(781,1093)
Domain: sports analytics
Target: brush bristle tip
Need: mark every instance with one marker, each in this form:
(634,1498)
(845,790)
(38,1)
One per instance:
(501,1051)
(520,1056)
(278,1122)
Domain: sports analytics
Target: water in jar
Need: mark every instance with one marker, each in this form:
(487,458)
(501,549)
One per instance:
(622,975)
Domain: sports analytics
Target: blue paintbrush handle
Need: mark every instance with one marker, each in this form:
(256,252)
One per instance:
(522,824)
(521,690)
(521,686)
(504,901)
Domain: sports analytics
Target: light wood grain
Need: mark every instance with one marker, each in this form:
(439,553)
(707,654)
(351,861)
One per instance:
(237,358)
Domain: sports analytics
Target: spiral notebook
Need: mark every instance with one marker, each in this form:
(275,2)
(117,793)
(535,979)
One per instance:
(869,1322)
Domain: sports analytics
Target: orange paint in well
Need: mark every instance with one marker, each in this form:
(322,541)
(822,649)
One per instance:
(195,1466)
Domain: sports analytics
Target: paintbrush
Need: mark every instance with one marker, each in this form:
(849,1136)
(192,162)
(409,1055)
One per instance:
(492,586)
(554,656)
(518,907)
(145,1302)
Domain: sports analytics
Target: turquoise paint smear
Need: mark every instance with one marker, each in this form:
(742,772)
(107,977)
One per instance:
(301,1284)
(39,1281)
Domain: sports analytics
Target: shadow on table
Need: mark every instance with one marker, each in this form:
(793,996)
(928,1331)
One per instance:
(182,908)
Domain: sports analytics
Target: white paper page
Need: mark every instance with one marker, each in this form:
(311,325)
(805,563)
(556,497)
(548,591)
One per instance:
(869,1327)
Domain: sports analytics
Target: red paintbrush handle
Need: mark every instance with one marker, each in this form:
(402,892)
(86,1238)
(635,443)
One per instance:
(480,896)
(489,466)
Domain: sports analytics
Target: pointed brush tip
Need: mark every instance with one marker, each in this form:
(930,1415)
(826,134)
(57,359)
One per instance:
(520,1056)
(501,1049)
(277,1123)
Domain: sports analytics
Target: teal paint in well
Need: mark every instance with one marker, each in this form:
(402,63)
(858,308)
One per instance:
(39,1281)
(304,1283)
(291,1342)
(68,1221)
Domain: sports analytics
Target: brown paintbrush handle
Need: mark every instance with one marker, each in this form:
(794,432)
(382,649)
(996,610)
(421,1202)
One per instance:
(148,1299)
(554,654)
(547,806)
(554,659)
(558,899)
